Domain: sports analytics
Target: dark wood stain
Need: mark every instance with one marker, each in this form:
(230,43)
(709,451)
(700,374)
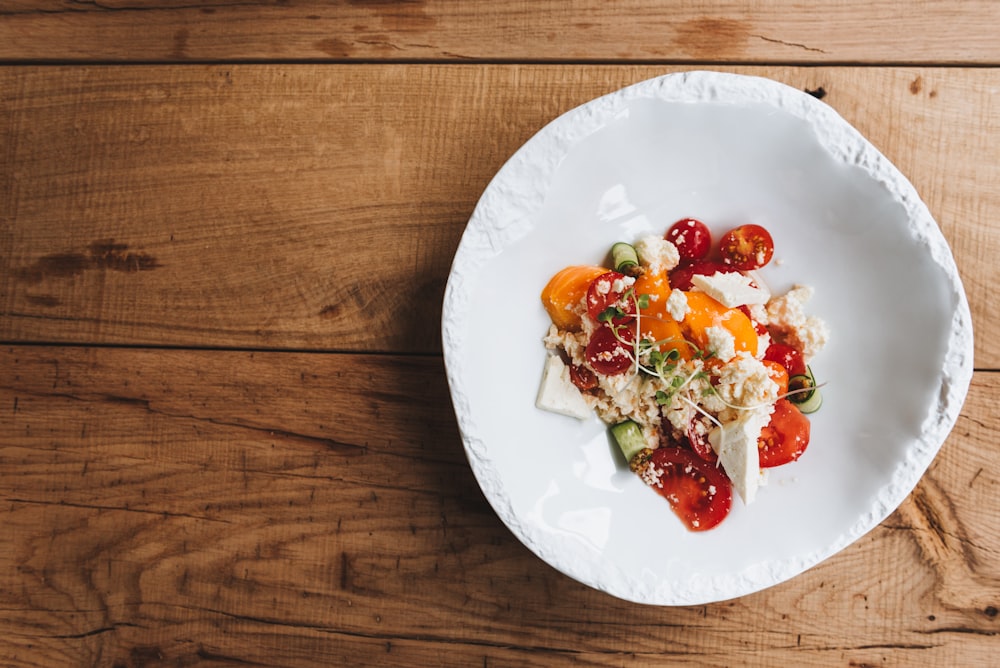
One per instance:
(917,85)
(102,254)
(337,48)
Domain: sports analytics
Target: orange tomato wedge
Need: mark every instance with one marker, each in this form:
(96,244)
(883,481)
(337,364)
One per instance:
(704,312)
(665,329)
(657,287)
(563,293)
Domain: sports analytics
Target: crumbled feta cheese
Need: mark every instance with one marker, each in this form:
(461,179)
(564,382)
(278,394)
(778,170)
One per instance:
(730,289)
(736,444)
(677,305)
(657,253)
(557,392)
(787,319)
(745,381)
(721,343)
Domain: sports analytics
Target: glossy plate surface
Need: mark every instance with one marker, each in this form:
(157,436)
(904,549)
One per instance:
(726,149)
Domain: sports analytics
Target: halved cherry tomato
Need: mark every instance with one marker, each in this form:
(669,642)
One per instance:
(786,356)
(680,276)
(778,374)
(785,437)
(692,238)
(582,377)
(608,355)
(747,247)
(699,493)
(697,435)
(609,290)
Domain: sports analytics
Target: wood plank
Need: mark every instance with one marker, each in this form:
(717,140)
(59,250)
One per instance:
(938,31)
(313,509)
(318,207)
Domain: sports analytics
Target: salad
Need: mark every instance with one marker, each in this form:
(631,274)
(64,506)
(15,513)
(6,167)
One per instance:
(702,374)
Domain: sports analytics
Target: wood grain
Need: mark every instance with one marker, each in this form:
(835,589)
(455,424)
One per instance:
(295,509)
(318,207)
(715,31)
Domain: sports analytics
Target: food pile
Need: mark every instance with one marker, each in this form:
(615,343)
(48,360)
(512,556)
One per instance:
(701,373)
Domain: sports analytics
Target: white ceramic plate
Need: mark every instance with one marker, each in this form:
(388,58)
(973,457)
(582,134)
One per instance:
(726,149)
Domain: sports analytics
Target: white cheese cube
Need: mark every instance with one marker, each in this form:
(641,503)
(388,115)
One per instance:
(736,444)
(558,394)
(730,289)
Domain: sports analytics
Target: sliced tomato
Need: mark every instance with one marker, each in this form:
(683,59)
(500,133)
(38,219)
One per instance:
(692,238)
(746,247)
(786,356)
(697,435)
(582,377)
(680,276)
(609,351)
(699,493)
(785,437)
(611,290)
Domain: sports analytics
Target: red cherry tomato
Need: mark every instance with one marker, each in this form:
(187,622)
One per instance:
(697,435)
(747,247)
(680,276)
(785,438)
(786,356)
(609,290)
(608,355)
(699,493)
(582,377)
(692,238)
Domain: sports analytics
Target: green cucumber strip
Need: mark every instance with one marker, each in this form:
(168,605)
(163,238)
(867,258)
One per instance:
(623,257)
(801,382)
(629,436)
(812,404)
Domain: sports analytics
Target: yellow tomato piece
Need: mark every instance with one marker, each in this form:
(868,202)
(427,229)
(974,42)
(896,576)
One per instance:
(657,287)
(704,312)
(563,293)
(667,330)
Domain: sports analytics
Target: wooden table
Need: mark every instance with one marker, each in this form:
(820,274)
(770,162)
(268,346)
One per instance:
(225,229)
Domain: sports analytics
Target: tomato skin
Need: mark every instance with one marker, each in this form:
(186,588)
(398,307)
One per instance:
(785,437)
(698,440)
(582,377)
(601,295)
(699,493)
(786,356)
(746,247)
(680,276)
(692,238)
(606,354)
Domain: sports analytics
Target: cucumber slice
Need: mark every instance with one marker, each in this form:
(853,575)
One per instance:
(624,258)
(812,404)
(629,436)
(807,396)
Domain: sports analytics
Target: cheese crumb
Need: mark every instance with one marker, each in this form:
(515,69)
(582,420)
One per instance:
(721,343)
(677,305)
(657,253)
(787,319)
